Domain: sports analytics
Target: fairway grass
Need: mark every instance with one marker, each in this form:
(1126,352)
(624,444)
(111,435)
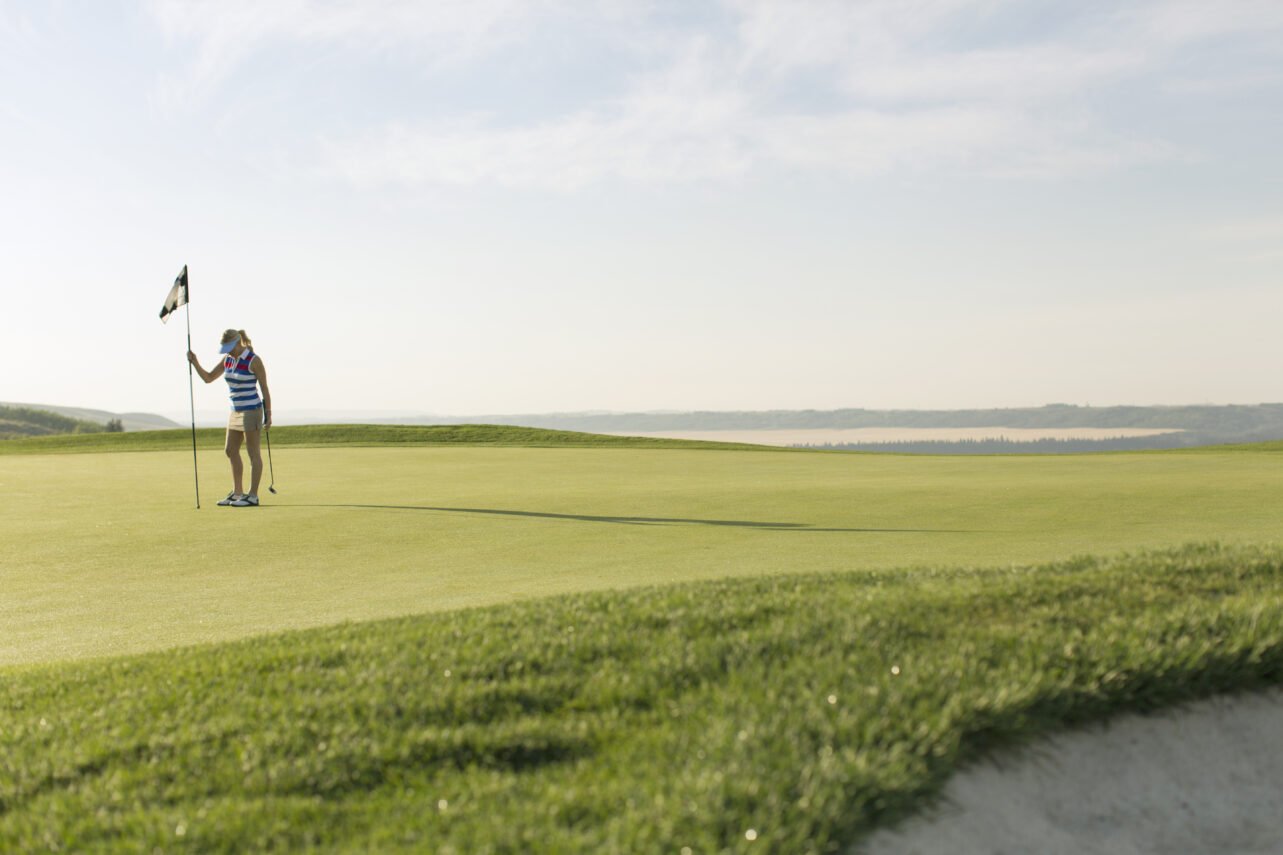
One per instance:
(783,714)
(105,555)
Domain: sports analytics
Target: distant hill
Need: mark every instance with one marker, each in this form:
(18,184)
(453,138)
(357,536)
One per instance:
(24,422)
(1199,424)
(1192,425)
(130,421)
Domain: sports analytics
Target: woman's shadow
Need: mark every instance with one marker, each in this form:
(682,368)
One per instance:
(623,520)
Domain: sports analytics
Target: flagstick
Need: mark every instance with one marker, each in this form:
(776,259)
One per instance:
(191,395)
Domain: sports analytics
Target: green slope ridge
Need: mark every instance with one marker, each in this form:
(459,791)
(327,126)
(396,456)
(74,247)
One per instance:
(799,711)
(352,435)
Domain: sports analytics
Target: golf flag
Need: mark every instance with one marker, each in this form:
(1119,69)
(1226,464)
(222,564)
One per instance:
(177,296)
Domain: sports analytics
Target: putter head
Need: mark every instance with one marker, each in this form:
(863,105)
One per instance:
(272,490)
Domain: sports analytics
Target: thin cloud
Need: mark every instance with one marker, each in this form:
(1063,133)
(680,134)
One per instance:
(17,30)
(786,36)
(631,146)
(1180,22)
(1014,75)
(222,34)
(890,88)
(1256,229)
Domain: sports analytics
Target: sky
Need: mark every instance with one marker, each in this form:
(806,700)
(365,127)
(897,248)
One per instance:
(505,207)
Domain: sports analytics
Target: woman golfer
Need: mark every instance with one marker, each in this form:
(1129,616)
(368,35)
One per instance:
(251,412)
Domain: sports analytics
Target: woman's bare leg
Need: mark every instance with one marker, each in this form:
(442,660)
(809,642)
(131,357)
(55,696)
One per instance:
(232,447)
(253,443)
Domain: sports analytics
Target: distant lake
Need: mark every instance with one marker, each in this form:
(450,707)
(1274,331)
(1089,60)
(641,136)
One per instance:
(836,436)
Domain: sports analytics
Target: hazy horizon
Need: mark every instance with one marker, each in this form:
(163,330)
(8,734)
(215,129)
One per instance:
(739,205)
(214,416)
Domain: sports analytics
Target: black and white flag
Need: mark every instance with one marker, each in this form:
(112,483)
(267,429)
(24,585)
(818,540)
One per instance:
(177,296)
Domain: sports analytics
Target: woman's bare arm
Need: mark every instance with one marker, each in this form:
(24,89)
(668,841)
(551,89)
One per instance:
(260,371)
(207,376)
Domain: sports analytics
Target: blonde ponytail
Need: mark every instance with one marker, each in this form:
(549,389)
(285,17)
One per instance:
(231,335)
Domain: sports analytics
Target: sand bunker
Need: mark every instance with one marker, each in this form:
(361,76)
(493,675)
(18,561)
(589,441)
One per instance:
(1206,778)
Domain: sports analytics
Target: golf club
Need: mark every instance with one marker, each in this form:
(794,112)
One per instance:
(271,488)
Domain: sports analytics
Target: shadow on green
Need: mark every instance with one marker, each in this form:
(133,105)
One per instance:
(621,520)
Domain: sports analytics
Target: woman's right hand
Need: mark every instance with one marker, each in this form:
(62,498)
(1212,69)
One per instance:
(191,357)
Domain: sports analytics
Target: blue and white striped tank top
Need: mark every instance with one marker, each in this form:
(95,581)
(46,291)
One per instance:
(242,384)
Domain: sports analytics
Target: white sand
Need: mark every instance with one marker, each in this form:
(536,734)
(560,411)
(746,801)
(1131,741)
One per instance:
(1207,778)
(819,436)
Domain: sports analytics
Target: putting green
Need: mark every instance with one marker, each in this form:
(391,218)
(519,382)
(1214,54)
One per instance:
(104,554)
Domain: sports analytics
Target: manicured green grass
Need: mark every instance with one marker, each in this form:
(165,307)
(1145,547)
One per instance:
(363,436)
(104,553)
(800,700)
(786,714)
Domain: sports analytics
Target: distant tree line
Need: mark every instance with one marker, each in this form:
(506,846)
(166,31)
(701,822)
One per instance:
(1224,423)
(1000,445)
(17,422)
